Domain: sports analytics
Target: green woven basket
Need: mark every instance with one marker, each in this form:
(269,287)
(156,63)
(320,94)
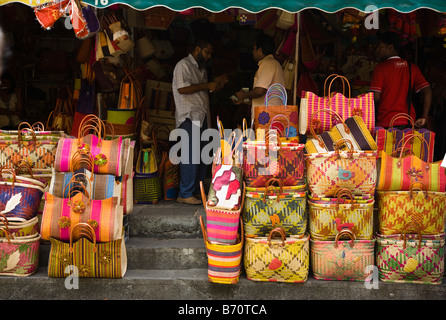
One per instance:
(146,188)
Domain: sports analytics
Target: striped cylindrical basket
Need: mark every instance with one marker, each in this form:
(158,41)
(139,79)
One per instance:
(224,261)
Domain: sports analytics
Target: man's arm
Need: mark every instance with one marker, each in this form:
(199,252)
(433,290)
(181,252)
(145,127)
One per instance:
(427,94)
(211,86)
(252,94)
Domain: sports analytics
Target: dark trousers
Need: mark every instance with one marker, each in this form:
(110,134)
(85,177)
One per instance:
(194,171)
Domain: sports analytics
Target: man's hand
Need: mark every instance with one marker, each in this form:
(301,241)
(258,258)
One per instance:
(212,86)
(421,122)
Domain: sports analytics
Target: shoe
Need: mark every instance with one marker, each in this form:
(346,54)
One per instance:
(190,200)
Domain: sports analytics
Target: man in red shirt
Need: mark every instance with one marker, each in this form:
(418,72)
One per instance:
(390,84)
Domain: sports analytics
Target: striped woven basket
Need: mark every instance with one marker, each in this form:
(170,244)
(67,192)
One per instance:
(222,225)
(224,261)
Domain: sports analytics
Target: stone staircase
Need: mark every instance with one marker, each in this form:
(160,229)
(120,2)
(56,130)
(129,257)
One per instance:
(167,261)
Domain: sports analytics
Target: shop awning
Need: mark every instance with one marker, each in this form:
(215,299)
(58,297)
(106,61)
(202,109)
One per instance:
(260,5)
(287,5)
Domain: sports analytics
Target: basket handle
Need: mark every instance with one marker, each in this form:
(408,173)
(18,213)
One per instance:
(277,194)
(409,138)
(340,142)
(404,116)
(83,229)
(422,188)
(8,234)
(348,232)
(8,168)
(280,231)
(276,90)
(287,131)
(329,89)
(326,80)
(403,233)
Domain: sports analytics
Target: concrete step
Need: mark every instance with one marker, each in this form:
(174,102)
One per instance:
(192,284)
(151,253)
(166,220)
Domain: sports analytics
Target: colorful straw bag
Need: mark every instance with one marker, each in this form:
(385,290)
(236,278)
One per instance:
(147,188)
(362,106)
(353,129)
(19,254)
(224,261)
(342,260)
(274,207)
(264,160)
(108,155)
(222,224)
(60,215)
(389,139)
(20,196)
(281,260)
(225,191)
(330,171)
(329,216)
(410,258)
(19,228)
(264,116)
(425,208)
(399,173)
(39,151)
(92,259)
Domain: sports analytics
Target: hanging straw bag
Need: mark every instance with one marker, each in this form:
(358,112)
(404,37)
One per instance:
(329,216)
(224,261)
(274,207)
(342,259)
(282,260)
(425,208)
(92,259)
(353,170)
(410,258)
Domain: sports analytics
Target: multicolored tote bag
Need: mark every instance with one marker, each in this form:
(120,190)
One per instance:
(264,160)
(265,116)
(362,106)
(353,129)
(425,208)
(60,215)
(401,172)
(224,261)
(20,197)
(274,207)
(91,258)
(342,259)
(410,258)
(283,260)
(19,254)
(389,139)
(329,216)
(222,224)
(107,154)
(330,171)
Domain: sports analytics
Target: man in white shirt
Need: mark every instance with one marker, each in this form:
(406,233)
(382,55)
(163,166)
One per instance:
(191,89)
(269,72)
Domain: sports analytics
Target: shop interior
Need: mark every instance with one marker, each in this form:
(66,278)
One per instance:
(48,65)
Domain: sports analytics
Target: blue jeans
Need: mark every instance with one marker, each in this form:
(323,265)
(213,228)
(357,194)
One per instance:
(192,173)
